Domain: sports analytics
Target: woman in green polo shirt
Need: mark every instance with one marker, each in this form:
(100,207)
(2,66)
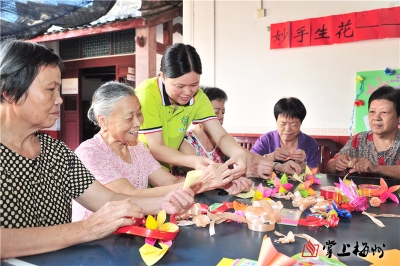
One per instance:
(171,102)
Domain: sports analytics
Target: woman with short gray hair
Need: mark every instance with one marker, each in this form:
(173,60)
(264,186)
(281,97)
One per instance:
(122,163)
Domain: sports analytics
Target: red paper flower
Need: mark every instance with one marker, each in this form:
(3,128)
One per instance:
(359,103)
(385,192)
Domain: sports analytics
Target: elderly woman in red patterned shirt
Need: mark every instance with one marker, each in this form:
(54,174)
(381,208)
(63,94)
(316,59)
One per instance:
(375,152)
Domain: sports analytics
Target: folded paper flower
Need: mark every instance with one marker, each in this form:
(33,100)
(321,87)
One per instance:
(308,178)
(359,79)
(282,184)
(358,103)
(154,230)
(360,203)
(385,192)
(165,233)
(264,193)
(389,71)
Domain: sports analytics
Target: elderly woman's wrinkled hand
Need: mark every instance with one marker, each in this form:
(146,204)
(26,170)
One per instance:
(214,176)
(343,162)
(281,154)
(178,201)
(239,165)
(202,162)
(241,184)
(363,165)
(262,168)
(289,167)
(299,156)
(110,217)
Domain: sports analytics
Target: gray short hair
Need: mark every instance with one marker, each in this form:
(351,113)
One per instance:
(104,98)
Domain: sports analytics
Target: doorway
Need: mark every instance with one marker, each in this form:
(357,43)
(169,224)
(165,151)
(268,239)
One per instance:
(91,79)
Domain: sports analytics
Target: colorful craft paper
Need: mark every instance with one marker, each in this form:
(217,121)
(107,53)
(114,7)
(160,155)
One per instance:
(191,177)
(246,195)
(384,192)
(282,184)
(226,262)
(151,254)
(391,257)
(269,256)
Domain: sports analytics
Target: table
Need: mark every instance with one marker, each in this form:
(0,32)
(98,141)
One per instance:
(194,245)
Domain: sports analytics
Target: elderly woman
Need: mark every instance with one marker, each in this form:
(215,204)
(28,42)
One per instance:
(122,163)
(374,152)
(198,141)
(40,176)
(288,143)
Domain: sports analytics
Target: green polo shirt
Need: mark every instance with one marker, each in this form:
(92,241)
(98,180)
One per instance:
(159,114)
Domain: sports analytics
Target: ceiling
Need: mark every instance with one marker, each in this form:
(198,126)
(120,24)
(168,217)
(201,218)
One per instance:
(24,19)
(27,19)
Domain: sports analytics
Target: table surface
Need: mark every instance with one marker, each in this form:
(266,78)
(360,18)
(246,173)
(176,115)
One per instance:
(194,245)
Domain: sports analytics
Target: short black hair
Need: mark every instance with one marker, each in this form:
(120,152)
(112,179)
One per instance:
(290,107)
(180,59)
(214,93)
(19,65)
(389,93)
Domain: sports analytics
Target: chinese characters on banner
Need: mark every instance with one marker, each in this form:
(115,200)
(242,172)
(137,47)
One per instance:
(356,26)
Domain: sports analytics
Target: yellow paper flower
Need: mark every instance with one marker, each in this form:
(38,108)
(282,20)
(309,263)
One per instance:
(160,223)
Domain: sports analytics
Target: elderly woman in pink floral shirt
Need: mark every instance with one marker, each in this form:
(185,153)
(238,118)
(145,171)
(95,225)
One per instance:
(122,163)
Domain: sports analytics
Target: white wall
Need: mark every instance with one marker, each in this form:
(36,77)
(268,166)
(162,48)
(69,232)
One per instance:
(234,47)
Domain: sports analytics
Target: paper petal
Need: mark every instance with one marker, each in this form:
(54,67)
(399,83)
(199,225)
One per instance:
(191,177)
(270,256)
(383,184)
(151,223)
(150,241)
(246,195)
(288,186)
(308,171)
(297,178)
(168,227)
(393,197)
(151,254)
(161,217)
(168,243)
(317,181)
(284,179)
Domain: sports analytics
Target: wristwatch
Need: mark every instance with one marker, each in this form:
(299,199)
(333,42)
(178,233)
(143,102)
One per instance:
(275,163)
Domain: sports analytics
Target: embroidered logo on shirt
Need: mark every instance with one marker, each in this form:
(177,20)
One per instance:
(184,120)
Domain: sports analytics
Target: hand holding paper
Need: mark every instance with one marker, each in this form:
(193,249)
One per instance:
(212,177)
